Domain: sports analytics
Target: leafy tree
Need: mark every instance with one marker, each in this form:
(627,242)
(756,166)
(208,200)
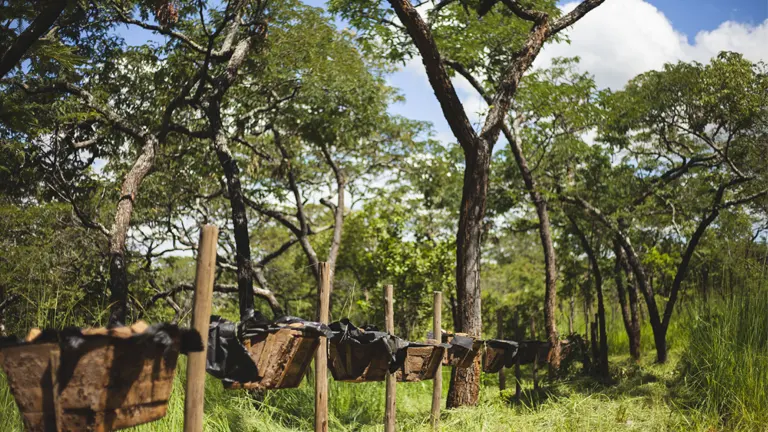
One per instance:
(691,133)
(502,45)
(388,242)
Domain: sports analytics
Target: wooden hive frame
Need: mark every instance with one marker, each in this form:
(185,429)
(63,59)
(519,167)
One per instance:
(282,357)
(458,356)
(353,362)
(493,361)
(28,370)
(421,362)
(107,382)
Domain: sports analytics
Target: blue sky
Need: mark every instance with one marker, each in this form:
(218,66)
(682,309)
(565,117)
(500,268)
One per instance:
(617,41)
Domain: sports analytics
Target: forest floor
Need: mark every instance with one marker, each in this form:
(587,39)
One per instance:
(642,397)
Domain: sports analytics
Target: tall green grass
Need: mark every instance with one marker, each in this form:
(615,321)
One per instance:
(638,403)
(726,364)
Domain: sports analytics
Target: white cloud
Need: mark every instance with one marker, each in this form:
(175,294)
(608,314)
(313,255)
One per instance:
(623,38)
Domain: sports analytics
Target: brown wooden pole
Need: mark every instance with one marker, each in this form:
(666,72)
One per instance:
(321,356)
(437,382)
(389,408)
(201,317)
(500,335)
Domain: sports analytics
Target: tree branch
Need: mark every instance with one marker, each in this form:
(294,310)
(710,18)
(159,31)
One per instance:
(50,13)
(526,14)
(451,105)
(576,14)
(115,119)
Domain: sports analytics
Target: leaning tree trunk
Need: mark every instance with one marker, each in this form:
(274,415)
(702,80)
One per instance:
(118,272)
(239,214)
(465,382)
(550,264)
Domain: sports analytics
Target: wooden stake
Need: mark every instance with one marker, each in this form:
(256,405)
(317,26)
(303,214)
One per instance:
(321,356)
(437,382)
(519,337)
(389,408)
(500,335)
(201,317)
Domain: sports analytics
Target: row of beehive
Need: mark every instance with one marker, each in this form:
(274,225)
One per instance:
(283,355)
(111,379)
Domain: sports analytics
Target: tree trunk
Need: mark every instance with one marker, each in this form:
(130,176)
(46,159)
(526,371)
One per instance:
(603,366)
(682,268)
(586,292)
(602,358)
(118,271)
(660,340)
(650,300)
(545,235)
(629,311)
(465,383)
(239,214)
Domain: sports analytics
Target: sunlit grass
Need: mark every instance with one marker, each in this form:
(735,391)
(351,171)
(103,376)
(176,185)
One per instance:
(720,384)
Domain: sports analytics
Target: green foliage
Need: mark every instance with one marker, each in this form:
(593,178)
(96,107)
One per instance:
(388,242)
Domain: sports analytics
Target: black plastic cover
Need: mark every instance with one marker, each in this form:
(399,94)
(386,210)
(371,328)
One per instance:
(228,360)
(510,349)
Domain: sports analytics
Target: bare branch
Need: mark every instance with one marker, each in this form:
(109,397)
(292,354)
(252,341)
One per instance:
(745,200)
(474,82)
(276,253)
(276,215)
(81,215)
(186,40)
(576,14)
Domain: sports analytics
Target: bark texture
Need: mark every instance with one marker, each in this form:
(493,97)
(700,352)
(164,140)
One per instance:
(118,272)
(221,84)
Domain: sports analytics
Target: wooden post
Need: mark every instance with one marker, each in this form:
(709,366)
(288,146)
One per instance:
(519,337)
(535,357)
(437,382)
(500,335)
(389,408)
(321,356)
(194,399)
